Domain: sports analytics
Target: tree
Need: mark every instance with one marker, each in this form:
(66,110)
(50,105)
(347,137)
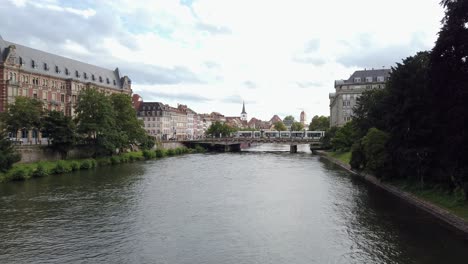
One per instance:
(297,126)
(130,129)
(95,118)
(8,156)
(344,138)
(376,156)
(279,126)
(449,79)
(329,135)
(217,129)
(289,118)
(24,113)
(370,111)
(60,130)
(319,123)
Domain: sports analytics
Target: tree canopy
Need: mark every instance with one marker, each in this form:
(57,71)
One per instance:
(297,126)
(218,129)
(319,123)
(279,126)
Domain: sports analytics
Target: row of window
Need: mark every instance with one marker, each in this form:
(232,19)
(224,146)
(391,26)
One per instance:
(46,67)
(370,79)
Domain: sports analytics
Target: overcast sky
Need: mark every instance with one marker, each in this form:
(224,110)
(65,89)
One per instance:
(281,57)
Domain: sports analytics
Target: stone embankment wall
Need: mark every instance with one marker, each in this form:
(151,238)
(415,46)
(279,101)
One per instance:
(170,145)
(35,153)
(457,224)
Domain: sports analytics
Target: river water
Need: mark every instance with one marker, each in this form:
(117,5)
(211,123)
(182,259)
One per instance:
(259,206)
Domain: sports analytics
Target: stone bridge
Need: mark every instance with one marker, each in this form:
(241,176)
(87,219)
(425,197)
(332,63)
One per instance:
(234,144)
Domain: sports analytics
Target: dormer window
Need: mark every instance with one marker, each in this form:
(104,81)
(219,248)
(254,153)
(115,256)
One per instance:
(107,80)
(33,64)
(67,72)
(380,79)
(93,77)
(357,80)
(100,79)
(57,69)
(21,61)
(77,74)
(46,67)
(114,83)
(85,75)
(368,79)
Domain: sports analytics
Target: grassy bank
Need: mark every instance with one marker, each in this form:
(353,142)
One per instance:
(344,157)
(453,202)
(21,172)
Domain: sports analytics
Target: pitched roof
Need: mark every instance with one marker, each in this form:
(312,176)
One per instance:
(28,55)
(370,73)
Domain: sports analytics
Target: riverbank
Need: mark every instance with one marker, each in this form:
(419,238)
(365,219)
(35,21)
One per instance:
(433,201)
(26,171)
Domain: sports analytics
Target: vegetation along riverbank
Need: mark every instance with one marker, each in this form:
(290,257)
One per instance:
(21,172)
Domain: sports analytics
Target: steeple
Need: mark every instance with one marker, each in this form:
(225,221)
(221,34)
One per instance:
(243,108)
(243,116)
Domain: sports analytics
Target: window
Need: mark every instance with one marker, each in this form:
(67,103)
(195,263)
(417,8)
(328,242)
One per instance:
(107,80)
(62,98)
(380,79)
(21,61)
(92,77)
(368,79)
(46,67)
(114,83)
(77,74)
(57,70)
(33,64)
(67,72)
(357,79)
(85,75)
(100,79)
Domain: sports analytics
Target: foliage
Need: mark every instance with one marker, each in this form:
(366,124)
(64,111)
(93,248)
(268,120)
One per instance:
(148,154)
(218,129)
(358,157)
(329,134)
(289,118)
(370,111)
(373,146)
(160,153)
(199,149)
(344,138)
(319,123)
(24,113)
(40,171)
(60,130)
(279,126)
(62,167)
(297,126)
(8,156)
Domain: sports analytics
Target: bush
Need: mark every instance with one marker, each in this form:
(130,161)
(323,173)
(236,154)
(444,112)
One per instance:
(160,153)
(199,149)
(148,154)
(170,152)
(358,159)
(104,161)
(75,165)
(115,160)
(17,174)
(374,150)
(40,171)
(62,167)
(86,164)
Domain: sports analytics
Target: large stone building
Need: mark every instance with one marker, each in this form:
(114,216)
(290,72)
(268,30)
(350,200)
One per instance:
(56,80)
(348,91)
(163,121)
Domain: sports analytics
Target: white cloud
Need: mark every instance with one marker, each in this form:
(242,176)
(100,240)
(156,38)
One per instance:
(278,55)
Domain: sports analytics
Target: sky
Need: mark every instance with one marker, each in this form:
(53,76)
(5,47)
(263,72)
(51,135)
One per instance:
(280,57)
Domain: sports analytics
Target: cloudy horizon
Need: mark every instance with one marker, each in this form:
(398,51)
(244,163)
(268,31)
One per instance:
(280,57)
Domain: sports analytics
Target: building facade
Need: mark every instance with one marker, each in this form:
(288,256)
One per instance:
(348,91)
(55,80)
(303,118)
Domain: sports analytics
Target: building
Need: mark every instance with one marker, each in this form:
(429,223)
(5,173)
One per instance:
(56,80)
(303,119)
(243,114)
(348,91)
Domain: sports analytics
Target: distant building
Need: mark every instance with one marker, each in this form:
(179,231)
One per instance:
(243,114)
(303,118)
(275,119)
(348,91)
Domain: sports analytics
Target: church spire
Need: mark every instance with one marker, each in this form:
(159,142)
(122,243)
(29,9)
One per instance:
(243,108)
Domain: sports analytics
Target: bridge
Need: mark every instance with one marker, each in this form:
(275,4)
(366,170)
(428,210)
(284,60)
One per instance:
(234,144)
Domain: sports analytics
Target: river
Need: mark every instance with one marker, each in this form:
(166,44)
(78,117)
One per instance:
(257,206)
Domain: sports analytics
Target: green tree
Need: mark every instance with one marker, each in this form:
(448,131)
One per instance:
(370,111)
(297,126)
(130,129)
(24,113)
(95,118)
(449,79)
(320,123)
(375,153)
(8,156)
(61,131)
(344,138)
(329,135)
(279,126)
(218,129)
(289,118)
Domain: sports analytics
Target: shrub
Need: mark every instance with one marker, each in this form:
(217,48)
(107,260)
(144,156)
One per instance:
(358,159)
(199,149)
(160,153)
(40,171)
(148,154)
(86,164)
(104,161)
(17,174)
(62,167)
(374,150)
(170,152)
(75,165)
(115,160)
